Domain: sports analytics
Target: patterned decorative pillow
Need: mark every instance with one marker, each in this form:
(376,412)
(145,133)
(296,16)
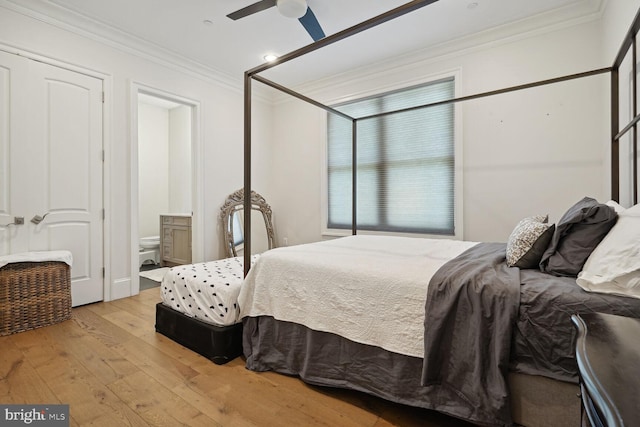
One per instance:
(528,241)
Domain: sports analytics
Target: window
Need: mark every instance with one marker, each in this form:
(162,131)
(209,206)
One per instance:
(405,162)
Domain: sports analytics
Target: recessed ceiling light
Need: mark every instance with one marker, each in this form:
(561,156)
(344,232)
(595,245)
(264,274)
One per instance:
(472,5)
(207,22)
(270,57)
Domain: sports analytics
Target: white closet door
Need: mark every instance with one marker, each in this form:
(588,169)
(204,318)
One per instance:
(13,75)
(56,169)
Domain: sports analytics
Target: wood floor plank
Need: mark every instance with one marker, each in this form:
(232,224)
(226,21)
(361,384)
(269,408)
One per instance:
(135,307)
(276,388)
(99,308)
(158,405)
(105,363)
(165,369)
(37,346)
(151,296)
(90,401)
(129,322)
(258,411)
(214,408)
(266,402)
(19,381)
(94,324)
(177,351)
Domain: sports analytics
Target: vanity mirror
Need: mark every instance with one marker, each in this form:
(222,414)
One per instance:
(232,216)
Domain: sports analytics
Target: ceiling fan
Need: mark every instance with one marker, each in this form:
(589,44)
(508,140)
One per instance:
(289,8)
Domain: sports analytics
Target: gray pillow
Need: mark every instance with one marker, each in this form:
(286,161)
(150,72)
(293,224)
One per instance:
(528,241)
(577,234)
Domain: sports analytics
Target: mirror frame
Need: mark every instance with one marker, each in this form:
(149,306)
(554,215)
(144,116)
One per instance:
(230,206)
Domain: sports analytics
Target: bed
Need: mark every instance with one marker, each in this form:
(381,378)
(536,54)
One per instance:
(351,313)
(515,347)
(199,308)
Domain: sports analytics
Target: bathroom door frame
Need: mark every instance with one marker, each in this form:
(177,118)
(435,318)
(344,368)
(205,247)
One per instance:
(197,219)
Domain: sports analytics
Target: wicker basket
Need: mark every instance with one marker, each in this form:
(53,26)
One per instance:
(34,294)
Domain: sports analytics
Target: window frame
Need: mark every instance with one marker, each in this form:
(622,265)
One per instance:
(458,156)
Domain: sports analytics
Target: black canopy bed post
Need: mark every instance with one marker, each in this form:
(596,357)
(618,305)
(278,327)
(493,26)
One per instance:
(628,43)
(634,103)
(247,172)
(354,176)
(615,145)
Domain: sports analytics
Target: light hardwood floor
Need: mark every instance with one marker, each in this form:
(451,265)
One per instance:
(113,369)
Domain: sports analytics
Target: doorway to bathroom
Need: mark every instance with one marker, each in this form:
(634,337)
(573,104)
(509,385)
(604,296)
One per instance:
(165,145)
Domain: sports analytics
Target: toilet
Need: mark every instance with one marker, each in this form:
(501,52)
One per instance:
(149,250)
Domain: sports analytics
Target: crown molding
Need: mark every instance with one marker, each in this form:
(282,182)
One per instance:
(544,23)
(84,26)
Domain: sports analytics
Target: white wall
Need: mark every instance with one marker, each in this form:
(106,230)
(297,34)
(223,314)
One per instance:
(524,153)
(153,169)
(296,161)
(220,130)
(180,170)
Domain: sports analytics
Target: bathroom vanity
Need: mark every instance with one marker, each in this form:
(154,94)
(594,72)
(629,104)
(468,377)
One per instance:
(175,239)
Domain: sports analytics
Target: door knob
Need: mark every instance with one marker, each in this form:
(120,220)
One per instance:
(17,220)
(37,219)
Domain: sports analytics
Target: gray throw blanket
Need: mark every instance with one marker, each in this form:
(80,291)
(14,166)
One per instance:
(472,305)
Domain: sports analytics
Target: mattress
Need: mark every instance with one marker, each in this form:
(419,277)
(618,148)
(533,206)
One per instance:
(206,291)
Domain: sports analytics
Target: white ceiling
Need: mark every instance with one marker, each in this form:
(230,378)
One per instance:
(176,28)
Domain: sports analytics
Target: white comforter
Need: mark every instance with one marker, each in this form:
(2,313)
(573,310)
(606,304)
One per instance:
(369,289)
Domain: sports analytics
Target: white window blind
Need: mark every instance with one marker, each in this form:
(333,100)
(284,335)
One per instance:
(405,162)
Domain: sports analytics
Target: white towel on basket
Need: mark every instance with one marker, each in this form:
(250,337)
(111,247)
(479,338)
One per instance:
(39,256)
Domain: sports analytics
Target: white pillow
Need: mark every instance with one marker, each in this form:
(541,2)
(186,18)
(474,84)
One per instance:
(616,207)
(614,265)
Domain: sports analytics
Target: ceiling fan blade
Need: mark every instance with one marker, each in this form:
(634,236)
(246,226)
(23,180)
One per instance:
(251,9)
(311,24)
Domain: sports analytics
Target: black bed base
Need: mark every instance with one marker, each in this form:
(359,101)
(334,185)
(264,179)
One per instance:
(220,344)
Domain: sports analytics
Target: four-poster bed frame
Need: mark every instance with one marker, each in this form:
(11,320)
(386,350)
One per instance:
(629,43)
(533,392)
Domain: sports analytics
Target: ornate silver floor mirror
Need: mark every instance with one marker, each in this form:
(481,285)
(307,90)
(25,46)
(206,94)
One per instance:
(232,216)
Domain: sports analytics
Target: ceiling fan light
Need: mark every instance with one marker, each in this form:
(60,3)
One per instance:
(292,8)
